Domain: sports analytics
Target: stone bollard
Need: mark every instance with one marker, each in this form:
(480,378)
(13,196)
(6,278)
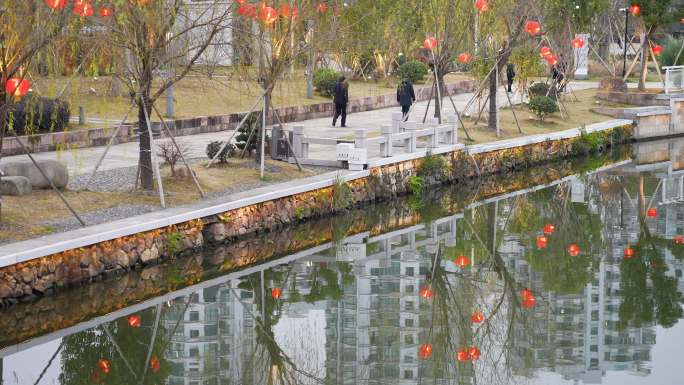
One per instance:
(360,138)
(81,116)
(301,149)
(386,148)
(452,122)
(397,118)
(411,142)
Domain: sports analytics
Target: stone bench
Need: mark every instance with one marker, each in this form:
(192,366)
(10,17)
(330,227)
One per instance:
(15,186)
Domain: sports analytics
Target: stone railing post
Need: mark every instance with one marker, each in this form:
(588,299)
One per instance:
(301,149)
(411,142)
(386,148)
(359,156)
(397,118)
(452,136)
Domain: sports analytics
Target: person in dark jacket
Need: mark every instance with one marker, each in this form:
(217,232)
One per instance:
(510,75)
(340,99)
(405,97)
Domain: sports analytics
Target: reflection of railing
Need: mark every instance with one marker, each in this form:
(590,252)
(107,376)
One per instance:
(674,79)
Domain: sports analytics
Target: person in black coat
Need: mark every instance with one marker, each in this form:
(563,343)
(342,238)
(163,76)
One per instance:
(340,99)
(510,75)
(405,97)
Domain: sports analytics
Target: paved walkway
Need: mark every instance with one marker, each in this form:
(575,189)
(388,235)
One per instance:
(83,161)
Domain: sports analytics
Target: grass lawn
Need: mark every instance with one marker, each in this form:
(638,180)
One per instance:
(578,113)
(24,217)
(199,95)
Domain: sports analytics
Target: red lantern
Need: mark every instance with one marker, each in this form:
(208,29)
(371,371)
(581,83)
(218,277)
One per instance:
(425,351)
(533,27)
(83,9)
(105,12)
(276,292)
(240,1)
(430,43)
(56,4)
(477,317)
(462,261)
(104,366)
(142,3)
(285,10)
(657,49)
(528,299)
(322,8)
(545,51)
(679,240)
(635,9)
(629,253)
(464,58)
(134,321)
(463,355)
(295,12)
(573,250)
(426,292)
(17,87)
(577,42)
(248,10)
(268,15)
(482,5)
(652,212)
(474,353)
(542,242)
(552,60)
(154,364)
(549,229)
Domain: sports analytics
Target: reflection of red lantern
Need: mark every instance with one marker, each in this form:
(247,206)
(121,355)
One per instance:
(657,49)
(474,353)
(105,12)
(268,15)
(463,355)
(17,87)
(83,9)
(542,242)
(574,250)
(462,261)
(629,253)
(635,9)
(482,5)
(549,229)
(134,321)
(285,10)
(276,293)
(545,51)
(154,364)
(425,351)
(464,58)
(477,317)
(652,212)
(426,292)
(679,240)
(533,27)
(430,43)
(104,365)
(56,4)
(577,42)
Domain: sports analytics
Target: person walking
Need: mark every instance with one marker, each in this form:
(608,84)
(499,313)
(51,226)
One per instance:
(341,98)
(510,75)
(406,96)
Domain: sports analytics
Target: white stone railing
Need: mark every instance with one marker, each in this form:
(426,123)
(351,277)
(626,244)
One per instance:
(674,79)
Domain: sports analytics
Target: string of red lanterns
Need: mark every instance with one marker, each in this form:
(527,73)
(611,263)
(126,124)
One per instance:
(471,353)
(83,9)
(17,87)
(549,229)
(533,27)
(430,43)
(573,250)
(425,351)
(477,317)
(542,242)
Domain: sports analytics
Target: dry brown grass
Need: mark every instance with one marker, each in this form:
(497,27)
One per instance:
(578,113)
(25,217)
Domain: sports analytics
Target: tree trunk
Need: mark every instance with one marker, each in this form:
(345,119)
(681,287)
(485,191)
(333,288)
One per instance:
(644,62)
(491,123)
(145,160)
(440,84)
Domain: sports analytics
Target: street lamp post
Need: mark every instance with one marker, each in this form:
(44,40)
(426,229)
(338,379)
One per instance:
(624,56)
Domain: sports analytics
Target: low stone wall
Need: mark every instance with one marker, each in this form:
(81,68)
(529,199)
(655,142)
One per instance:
(633,98)
(204,124)
(35,277)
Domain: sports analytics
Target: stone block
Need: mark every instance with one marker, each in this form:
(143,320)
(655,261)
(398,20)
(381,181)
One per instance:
(15,185)
(55,171)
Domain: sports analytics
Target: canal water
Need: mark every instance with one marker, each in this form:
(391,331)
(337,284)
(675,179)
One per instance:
(569,273)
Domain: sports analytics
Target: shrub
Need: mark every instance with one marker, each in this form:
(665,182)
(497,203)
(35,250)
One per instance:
(214,147)
(542,106)
(324,81)
(171,154)
(538,89)
(414,70)
(671,47)
(342,195)
(36,114)
(432,165)
(415,185)
(174,243)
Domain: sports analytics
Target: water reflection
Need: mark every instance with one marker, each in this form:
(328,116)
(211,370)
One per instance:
(402,307)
